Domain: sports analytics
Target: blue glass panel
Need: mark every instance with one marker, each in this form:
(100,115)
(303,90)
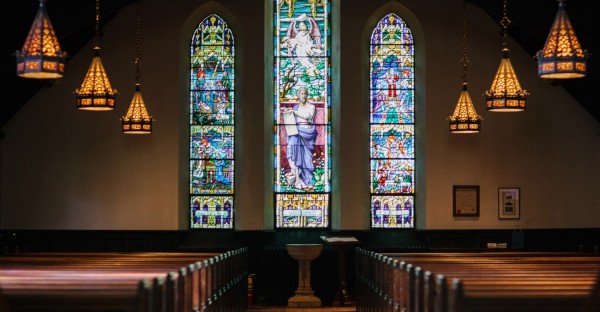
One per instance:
(392,141)
(211,176)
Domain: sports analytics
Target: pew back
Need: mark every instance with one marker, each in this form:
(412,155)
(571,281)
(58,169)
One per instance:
(483,281)
(106,281)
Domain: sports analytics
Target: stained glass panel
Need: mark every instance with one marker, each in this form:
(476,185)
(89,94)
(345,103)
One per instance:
(302,210)
(212,54)
(302,153)
(211,211)
(392,176)
(392,124)
(392,211)
(390,141)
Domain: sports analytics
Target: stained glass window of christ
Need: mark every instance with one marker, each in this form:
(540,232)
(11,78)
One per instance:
(212,54)
(392,124)
(302,97)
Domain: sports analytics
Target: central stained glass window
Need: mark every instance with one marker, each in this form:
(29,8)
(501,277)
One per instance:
(302,79)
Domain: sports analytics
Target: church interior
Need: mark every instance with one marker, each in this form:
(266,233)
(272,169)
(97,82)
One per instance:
(267,125)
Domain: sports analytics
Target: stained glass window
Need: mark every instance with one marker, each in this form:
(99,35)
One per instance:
(212,54)
(392,124)
(302,97)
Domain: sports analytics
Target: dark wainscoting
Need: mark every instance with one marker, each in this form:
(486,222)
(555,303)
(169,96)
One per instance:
(275,273)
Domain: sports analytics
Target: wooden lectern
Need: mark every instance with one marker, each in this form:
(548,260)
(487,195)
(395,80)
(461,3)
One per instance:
(342,244)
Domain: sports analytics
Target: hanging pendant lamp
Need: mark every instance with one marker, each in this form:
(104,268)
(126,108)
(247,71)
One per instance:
(137,120)
(96,93)
(505,94)
(465,119)
(41,56)
(562,56)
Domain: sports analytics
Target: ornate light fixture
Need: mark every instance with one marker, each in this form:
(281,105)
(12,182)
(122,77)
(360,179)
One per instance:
(465,119)
(137,120)
(562,56)
(96,93)
(505,94)
(41,56)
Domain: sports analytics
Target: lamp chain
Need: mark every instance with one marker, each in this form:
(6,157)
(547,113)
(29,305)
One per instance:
(464,60)
(97,21)
(505,22)
(137,56)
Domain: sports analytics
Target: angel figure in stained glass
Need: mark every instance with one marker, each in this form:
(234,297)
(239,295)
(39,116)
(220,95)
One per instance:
(304,42)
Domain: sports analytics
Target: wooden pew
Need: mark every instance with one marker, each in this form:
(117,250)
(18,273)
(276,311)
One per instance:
(138,296)
(478,281)
(121,281)
(541,284)
(69,276)
(562,286)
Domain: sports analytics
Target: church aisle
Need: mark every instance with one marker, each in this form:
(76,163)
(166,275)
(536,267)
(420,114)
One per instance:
(288,309)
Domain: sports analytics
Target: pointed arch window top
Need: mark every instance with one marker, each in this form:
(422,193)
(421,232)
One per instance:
(391,30)
(213,31)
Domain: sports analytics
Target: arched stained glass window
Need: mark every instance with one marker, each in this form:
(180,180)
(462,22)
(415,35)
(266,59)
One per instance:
(302,97)
(392,124)
(212,54)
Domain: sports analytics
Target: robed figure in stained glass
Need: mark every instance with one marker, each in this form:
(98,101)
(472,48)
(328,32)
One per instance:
(300,145)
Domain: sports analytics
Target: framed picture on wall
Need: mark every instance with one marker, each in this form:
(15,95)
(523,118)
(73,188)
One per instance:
(465,201)
(509,203)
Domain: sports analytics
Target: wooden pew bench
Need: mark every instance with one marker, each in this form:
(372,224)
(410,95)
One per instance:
(120,281)
(513,282)
(478,281)
(121,297)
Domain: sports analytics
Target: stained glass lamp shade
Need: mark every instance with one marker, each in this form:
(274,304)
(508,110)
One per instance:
(95,92)
(562,56)
(137,120)
(41,56)
(506,94)
(465,118)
